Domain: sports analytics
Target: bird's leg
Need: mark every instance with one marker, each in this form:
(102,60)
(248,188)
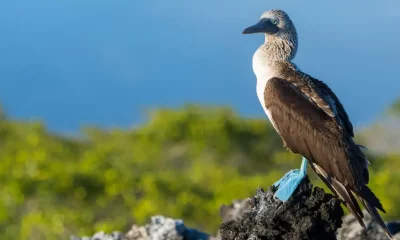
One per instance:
(288,183)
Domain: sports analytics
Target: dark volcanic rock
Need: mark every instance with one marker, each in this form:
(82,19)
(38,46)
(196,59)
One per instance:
(308,214)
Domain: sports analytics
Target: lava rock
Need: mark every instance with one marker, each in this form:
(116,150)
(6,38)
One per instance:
(101,236)
(394,227)
(352,230)
(160,228)
(308,215)
(235,210)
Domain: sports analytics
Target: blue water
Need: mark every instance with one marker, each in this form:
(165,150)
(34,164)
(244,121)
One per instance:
(79,62)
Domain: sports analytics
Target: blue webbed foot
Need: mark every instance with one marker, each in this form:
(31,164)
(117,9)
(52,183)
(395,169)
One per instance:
(288,183)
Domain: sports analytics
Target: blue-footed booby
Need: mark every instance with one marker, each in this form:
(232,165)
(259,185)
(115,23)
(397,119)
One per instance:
(310,120)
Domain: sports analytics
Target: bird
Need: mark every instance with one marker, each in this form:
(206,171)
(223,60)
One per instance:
(310,120)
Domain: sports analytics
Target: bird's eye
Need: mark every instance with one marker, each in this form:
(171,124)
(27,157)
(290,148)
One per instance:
(274,21)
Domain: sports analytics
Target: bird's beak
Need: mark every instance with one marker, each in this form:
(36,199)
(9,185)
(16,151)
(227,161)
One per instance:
(265,25)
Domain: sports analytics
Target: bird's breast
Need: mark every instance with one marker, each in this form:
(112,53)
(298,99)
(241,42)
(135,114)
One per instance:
(263,69)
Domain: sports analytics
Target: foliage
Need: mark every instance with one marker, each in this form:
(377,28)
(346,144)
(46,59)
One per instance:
(180,163)
(395,108)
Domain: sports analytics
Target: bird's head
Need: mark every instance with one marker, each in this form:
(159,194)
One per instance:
(278,28)
(272,22)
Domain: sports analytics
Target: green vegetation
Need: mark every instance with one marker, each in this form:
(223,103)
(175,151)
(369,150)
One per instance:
(180,163)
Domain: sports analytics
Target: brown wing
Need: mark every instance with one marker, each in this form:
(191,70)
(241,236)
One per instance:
(319,94)
(308,130)
(341,115)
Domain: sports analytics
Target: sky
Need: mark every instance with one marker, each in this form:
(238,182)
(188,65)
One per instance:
(73,63)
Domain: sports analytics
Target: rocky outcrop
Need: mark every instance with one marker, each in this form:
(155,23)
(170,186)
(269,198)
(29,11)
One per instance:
(160,228)
(352,230)
(309,214)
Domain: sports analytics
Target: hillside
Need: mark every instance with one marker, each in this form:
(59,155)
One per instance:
(183,163)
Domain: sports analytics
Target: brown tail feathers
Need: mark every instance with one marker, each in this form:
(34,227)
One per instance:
(366,196)
(372,203)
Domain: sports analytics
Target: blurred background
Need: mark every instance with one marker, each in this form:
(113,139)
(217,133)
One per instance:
(114,111)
